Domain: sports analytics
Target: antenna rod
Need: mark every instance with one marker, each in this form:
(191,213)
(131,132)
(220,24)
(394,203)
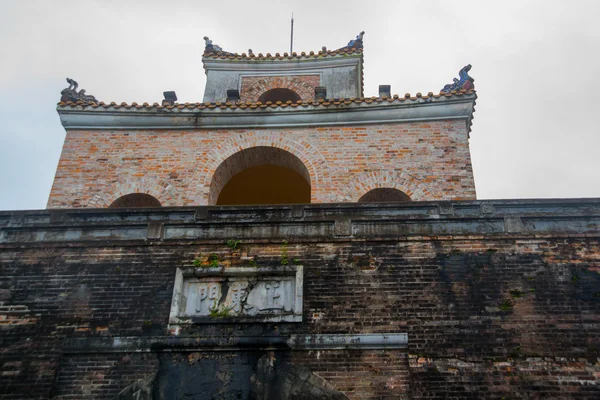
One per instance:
(292,35)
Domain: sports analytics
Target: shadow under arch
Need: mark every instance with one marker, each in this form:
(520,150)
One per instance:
(260,175)
(384,195)
(279,94)
(134,200)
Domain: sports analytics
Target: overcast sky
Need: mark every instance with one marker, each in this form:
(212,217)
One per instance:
(535,64)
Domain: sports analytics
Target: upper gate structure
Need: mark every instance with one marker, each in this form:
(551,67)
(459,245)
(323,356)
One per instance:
(272,129)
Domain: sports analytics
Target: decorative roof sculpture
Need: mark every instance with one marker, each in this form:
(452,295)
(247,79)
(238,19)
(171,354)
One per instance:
(208,44)
(210,47)
(356,43)
(71,94)
(464,83)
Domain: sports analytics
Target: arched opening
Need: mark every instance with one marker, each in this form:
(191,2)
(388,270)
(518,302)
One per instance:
(265,184)
(135,200)
(260,175)
(382,195)
(280,94)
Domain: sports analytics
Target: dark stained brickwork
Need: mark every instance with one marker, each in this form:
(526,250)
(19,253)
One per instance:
(502,301)
(101,376)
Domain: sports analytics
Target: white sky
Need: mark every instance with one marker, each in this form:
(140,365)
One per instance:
(535,65)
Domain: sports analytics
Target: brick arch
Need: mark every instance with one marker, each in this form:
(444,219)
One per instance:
(312,159)
(363,183)
(254,87)
(162,190)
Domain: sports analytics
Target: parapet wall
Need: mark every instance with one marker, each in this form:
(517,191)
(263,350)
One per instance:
(473,299)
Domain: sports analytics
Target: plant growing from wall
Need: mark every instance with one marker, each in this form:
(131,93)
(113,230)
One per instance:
(506,305)
(232,244)
(284,253)
(218,312)
(213,260)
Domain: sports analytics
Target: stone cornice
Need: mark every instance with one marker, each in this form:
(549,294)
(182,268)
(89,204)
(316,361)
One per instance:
(308,342)
(311,222)
(297,65)
(222,116)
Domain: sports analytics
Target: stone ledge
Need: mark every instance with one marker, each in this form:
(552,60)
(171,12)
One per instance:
(344,221)
(159,344)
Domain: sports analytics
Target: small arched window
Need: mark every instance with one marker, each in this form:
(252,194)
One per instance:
(381,195)
(135,200)
(281,94)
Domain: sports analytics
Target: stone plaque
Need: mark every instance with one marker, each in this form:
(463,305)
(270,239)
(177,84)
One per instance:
(214,295)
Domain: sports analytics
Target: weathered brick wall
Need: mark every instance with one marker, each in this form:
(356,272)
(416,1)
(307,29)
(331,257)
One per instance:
(427,161)
(512,315)
(93,376)
(253,87)
(361,374)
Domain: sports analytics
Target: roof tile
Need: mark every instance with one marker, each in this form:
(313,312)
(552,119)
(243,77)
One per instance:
(211,54)
(243,105)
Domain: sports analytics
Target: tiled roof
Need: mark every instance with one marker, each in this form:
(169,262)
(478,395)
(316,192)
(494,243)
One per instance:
(345,51)
(214,51)
(328,104)
(258,105)
(82,115)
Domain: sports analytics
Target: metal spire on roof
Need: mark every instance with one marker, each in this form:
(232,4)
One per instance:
(292,35)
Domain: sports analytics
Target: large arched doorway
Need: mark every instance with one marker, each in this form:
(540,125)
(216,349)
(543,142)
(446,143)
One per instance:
(260,175)
(135,200)
(381,195)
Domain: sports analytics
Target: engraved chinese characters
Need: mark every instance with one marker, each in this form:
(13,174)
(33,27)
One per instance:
(207,297)
(238,296)
(265,294)
(273,296)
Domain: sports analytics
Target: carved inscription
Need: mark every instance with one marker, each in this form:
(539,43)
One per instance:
(237,294)
(207,297)
(237,297)
(273,297)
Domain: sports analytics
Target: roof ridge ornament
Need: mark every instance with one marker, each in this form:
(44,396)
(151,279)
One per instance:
(210,47)
(71,93)
(464,83)
(354,44)
(358,42)
(208,44)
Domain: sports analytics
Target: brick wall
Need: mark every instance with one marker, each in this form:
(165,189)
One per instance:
(427,161)
(511,315)
(101,376)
